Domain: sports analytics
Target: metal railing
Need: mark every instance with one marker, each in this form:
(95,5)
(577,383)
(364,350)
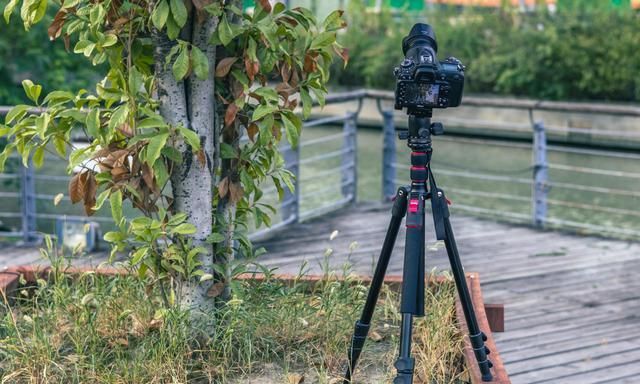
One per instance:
(539,183)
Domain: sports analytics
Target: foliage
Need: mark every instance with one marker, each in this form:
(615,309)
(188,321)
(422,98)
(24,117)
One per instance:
(133,150)
(25,55)
(571,54)
(104,329)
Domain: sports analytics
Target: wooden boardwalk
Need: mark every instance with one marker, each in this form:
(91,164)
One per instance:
(572,303)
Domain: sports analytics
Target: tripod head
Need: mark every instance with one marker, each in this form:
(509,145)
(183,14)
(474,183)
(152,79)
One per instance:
(418,134)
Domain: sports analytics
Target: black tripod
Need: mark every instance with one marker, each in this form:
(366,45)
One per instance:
(413,281)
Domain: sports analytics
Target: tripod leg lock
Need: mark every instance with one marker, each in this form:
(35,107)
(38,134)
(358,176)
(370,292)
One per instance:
(481,351)
(360,333)
(405,367)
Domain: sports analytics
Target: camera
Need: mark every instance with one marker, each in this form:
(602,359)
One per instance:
(422,82)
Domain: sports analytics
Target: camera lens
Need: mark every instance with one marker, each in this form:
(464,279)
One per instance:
(420,35)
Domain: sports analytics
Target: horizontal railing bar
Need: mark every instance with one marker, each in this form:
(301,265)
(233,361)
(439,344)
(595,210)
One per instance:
(592,207)
(326,207)
(11,234)
(328,172)
(595,171)
(588,188)
(50,216)
(476,141)
(53,178)
(322,139)
(477,175)
(11,214)
(593,227)
(486,194)
(324,120)
(593,152)
(9,176)
(494,212)
(44,196)
(326,156)
(331,187)
(10,194)
(291,219)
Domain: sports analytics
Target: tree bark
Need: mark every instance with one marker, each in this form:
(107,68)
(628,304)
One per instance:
(192,107)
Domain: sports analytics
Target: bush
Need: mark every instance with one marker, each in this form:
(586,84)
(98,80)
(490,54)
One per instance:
(32,55)
(573,54)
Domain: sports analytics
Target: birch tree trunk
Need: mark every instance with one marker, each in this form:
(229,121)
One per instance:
(191,104)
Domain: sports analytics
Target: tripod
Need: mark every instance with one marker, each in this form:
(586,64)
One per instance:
(413,199)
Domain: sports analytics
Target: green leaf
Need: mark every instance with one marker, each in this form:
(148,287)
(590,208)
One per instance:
(42,123)
(38,157)
(138,255)
(323,40)
(135,80)
(268,93)
(181,65)
(190,137)
(119,116)
(262,110)
(115,201)
(227,151)
(291,131)
(184,229)
(155,146)
(215,238)
(226,31)
(179,12)
(154,121)
(160,14)
(334,21)
(200,63)
(61,145)
(8,10)
(109,40)
(16,113)
(113,237)
(307,103)
(172,29)
(93,123)
(31,90)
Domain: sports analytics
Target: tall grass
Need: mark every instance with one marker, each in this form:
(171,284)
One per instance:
(99,329)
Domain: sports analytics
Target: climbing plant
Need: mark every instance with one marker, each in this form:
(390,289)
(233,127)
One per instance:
(185,79)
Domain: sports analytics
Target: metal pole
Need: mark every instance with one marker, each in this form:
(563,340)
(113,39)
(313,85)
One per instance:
(28,192)
(388,154)
(291,200)
(350,158)
(540,175)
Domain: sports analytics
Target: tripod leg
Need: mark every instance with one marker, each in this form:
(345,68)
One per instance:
(444,231)
(362,325)
(405,363)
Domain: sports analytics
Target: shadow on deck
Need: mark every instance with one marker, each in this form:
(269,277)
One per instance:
(571,302)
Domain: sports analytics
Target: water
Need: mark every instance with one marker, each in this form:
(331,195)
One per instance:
(464,167)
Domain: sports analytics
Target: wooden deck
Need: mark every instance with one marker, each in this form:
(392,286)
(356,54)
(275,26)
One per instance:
(572,303)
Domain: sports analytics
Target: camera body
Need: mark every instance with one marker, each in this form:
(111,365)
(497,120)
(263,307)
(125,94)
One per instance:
(422,82)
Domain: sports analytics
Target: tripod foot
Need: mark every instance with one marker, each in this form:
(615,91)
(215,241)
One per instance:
(481,351)
(405,366)
(357,342)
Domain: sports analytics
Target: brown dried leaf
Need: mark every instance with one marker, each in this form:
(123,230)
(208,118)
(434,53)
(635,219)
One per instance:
(148,177)
(252,68)
(126,130)
(343,53)
(215,290)
(76,188)
(202,159)
(266,5)
(121,341)
(295,378)
(285,72)
(55,29)
(223,187)
(67,42)
(375,336)
(230,115)
(224,66)
(156,323)
(235,192)
(294,79)
(90,189)
(252,130)
(310,64)
(200,4)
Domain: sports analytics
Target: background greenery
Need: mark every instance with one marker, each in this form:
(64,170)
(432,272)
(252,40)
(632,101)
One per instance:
(575,53)
(33,56)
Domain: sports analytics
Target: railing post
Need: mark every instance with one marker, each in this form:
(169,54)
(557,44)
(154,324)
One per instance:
(349,163)
(28,192)
(540,175)
(291,202)
(388,155)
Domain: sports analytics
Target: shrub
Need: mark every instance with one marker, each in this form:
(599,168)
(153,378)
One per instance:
(573,54)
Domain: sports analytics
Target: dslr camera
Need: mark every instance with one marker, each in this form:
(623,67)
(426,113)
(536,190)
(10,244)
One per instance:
(422,82)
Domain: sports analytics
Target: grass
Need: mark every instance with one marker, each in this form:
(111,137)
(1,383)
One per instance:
(98,329)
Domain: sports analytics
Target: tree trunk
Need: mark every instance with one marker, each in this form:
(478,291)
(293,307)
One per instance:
(191,104)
